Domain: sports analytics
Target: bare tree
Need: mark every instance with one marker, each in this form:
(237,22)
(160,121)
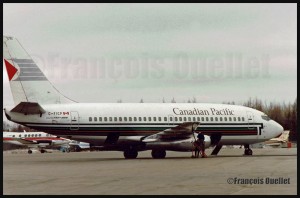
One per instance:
(173,100)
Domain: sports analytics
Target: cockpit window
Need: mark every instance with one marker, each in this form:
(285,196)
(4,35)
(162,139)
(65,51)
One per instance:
(265,117)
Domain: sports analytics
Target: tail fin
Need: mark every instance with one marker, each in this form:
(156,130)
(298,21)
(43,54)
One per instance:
(27,81)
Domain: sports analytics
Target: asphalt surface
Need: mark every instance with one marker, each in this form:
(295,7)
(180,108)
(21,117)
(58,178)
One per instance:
(108,173)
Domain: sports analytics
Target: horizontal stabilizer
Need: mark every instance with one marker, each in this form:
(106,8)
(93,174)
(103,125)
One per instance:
(28,108)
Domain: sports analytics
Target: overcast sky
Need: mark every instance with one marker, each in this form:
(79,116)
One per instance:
(213,52)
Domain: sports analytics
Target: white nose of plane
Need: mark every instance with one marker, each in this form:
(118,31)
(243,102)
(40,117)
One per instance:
(276,129)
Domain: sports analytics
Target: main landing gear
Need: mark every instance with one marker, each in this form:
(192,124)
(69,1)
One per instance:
(247,151)
(130,154)
(29,151)
(158,154)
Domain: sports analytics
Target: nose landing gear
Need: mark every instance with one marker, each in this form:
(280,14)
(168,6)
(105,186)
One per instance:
(247,151)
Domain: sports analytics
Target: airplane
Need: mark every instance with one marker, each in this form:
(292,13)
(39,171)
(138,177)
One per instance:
(127,127)
(39,140)
(278,141)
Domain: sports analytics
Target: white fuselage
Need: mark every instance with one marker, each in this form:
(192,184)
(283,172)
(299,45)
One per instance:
(93,123)
(33,139)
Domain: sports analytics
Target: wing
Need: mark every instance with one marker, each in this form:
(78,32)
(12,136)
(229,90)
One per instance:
(24,141)
(182,131)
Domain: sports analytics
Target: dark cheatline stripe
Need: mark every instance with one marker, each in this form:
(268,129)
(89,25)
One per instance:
(22,60)
(101,131)
(130,124)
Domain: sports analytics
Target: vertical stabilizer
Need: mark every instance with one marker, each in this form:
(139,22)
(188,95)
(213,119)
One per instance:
(27,82)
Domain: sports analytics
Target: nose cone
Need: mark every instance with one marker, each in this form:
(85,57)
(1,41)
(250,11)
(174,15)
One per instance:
(277,129)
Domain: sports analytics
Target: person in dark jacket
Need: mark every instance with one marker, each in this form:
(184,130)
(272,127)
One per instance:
(201,144)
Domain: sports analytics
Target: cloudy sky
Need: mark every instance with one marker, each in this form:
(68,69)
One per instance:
(108,52)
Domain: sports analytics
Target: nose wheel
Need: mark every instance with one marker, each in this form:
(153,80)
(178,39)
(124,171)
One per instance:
(247,151)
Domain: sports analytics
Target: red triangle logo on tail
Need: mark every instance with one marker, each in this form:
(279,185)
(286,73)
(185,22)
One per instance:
(11,70)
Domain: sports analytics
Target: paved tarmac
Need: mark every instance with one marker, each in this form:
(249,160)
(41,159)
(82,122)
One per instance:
(108,173)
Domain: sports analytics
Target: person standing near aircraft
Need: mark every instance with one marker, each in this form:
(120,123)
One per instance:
(200,143)
(196,150)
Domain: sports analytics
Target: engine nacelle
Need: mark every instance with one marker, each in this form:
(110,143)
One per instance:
(179,145)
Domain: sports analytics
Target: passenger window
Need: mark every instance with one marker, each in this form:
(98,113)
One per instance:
(40,135)
(216,118)
(159,119)
(234,118)
(198,118)
(105,119)
(35,135)
(115,119)
(239,119)
(189,119)
(230,119)
(165,119)
(243,119)
(180,119)
(225,119)
(110,119)
(176,119)
(211,119)
(120,119)
(13,135)
(154,119)
(130,119)
(95,119)
(145,119)
(207,119)
(135,119)
(140,119)
(100,119)
(221,119)
(25,135)
(19,135)
(125,119)
(171,119)
(90,119)
(202,119)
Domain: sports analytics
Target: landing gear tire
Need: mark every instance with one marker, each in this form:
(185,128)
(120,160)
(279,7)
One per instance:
(248,152)
(43,151)
(130,154)
(29,151)
(158,154)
